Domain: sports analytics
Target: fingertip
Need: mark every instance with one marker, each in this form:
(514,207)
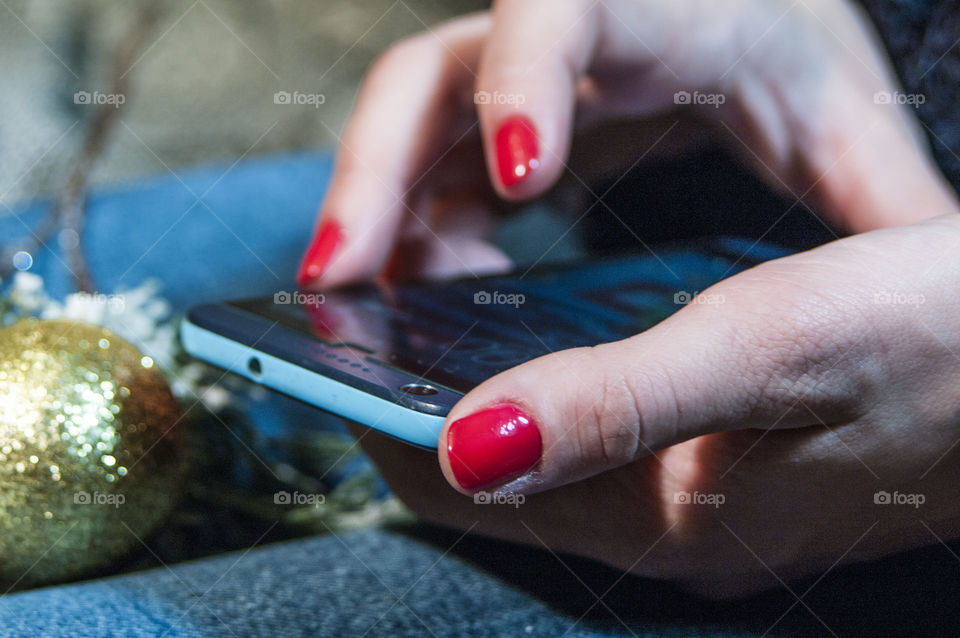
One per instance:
(490,447)
(319,254)
(517,150)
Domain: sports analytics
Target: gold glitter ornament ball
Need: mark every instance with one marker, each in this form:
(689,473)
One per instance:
(91,453)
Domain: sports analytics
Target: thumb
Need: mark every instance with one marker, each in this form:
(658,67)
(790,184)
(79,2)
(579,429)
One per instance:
(709,368)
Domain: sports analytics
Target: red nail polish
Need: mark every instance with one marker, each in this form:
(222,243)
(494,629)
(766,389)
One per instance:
(321,249)
(492,446)
(517,150)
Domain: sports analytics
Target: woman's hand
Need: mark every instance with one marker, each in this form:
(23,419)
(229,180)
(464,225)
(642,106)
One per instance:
(798,89)
(797,399)
(737,443)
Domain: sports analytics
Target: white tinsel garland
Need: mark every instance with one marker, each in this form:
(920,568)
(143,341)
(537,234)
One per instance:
(139,315)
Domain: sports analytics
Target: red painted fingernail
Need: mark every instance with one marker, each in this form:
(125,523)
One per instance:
(517,151)
(492,446)
(321,249)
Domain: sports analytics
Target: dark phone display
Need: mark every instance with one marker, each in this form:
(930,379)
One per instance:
(462,332)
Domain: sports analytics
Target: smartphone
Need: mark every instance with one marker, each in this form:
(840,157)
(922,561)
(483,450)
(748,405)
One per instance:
(397,358)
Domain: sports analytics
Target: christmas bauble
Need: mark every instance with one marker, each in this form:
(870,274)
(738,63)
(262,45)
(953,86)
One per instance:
(92,453)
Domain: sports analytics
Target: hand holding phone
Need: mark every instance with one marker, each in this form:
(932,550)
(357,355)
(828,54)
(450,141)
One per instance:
(399,358)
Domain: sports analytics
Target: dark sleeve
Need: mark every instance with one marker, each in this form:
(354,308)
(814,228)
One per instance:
(922,38)
(714,193)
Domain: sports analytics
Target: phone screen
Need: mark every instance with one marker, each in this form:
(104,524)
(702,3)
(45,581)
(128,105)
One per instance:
(459,333)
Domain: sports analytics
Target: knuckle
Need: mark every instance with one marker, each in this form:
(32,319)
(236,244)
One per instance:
(607,419)
(402,56)
(808,346)
(429,45)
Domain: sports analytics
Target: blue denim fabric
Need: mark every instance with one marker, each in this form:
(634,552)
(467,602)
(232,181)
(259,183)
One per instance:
(398,583)
(244,236)
(395,582)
